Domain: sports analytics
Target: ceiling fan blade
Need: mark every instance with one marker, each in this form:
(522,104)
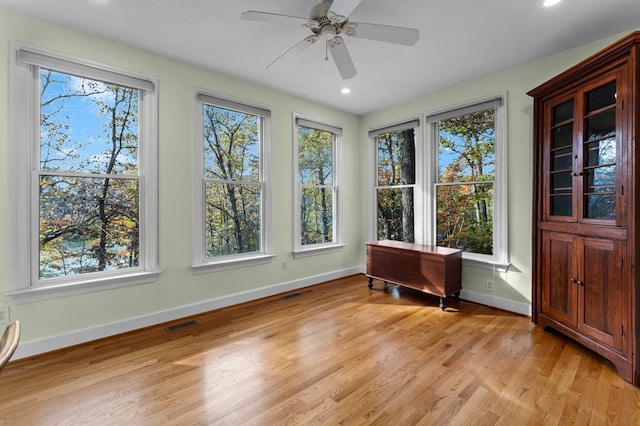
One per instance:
(344,7)
(274,18)
(387,33)
(341,57)
(297,48)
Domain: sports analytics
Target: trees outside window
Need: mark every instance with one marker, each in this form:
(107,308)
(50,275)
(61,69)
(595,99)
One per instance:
(316,183)
(233,190)
(84,167)
(88,176)
(449,191)
(396,179)
(231,183)
(466,174)
(467,177)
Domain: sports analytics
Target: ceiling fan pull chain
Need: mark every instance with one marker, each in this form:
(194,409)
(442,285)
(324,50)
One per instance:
(326,50)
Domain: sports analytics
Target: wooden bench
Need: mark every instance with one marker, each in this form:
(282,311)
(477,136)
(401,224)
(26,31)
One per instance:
(431,269)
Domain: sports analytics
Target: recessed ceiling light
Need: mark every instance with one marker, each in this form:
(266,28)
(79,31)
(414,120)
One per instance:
(549,3)
(346,91)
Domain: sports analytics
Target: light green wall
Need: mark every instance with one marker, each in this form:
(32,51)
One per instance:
(515,284)
(178,286)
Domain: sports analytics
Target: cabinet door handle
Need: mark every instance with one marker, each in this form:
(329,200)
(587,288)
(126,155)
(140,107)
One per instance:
(573,281)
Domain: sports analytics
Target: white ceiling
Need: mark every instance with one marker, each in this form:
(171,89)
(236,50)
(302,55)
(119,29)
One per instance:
(459,39)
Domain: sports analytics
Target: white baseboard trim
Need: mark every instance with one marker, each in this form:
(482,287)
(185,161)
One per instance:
(497,302)
(48,344)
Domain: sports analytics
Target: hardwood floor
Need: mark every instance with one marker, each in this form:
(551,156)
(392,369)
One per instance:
(338,353)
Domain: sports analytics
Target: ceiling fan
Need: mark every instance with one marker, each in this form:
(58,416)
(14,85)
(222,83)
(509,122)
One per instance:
(329,19)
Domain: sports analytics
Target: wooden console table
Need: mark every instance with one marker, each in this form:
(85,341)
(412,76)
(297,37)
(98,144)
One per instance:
(433,270)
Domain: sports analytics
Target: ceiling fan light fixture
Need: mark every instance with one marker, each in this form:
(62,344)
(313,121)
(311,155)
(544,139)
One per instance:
(329,31)
(549,3)
(345,91)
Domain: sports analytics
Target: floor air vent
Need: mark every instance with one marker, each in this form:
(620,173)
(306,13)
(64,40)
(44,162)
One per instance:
(180,326)
(292,295)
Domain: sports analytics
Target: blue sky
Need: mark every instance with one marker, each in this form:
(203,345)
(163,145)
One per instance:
(87,141)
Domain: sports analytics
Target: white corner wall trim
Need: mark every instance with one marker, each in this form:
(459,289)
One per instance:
(521,308)
(35,347)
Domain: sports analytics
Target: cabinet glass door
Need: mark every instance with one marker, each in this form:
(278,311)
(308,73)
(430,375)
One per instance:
(599,153)
(561,164)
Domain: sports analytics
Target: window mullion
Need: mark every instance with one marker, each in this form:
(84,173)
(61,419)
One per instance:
(463,182)
(44,172)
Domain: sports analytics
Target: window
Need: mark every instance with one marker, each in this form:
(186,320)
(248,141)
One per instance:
(396,182)
(450,191)
(468,180)
(86,176)
(316,148)
(231,177)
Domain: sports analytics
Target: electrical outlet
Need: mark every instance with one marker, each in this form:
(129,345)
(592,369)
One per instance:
(4,315)
(490,285)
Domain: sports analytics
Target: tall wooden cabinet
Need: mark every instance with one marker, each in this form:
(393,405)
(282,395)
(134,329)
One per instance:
(586,204)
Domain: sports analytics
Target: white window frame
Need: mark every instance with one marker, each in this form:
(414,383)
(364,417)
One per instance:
(201,263)
(418,192)
(337,243)
(499,261)
(24,136)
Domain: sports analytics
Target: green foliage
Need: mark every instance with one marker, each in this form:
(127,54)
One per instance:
(88,215)
(233,188)
(315,176)
(464,202)
(396,176)
(462,221)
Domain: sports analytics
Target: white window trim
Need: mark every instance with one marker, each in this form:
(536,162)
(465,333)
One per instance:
(499,261)
(337,244)
(418,194)
(24,117)
(201,263)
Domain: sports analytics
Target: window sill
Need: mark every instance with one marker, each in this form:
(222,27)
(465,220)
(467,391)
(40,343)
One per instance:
(317,250)
(38,294)
(232,263)
(491,265)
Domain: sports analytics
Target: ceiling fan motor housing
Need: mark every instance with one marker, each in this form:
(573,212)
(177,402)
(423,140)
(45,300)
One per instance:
(323,22)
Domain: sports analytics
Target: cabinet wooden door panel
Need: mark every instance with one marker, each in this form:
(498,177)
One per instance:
(559,296)
(601,290)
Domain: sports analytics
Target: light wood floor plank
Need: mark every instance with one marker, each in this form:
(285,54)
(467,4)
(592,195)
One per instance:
(339,353)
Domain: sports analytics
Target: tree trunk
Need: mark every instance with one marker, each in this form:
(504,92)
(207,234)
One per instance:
(233,200)
(101,252)
(323,192)
(408,173)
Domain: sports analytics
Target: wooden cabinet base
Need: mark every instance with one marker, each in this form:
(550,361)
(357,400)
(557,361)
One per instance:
(433,270)
(621,362)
